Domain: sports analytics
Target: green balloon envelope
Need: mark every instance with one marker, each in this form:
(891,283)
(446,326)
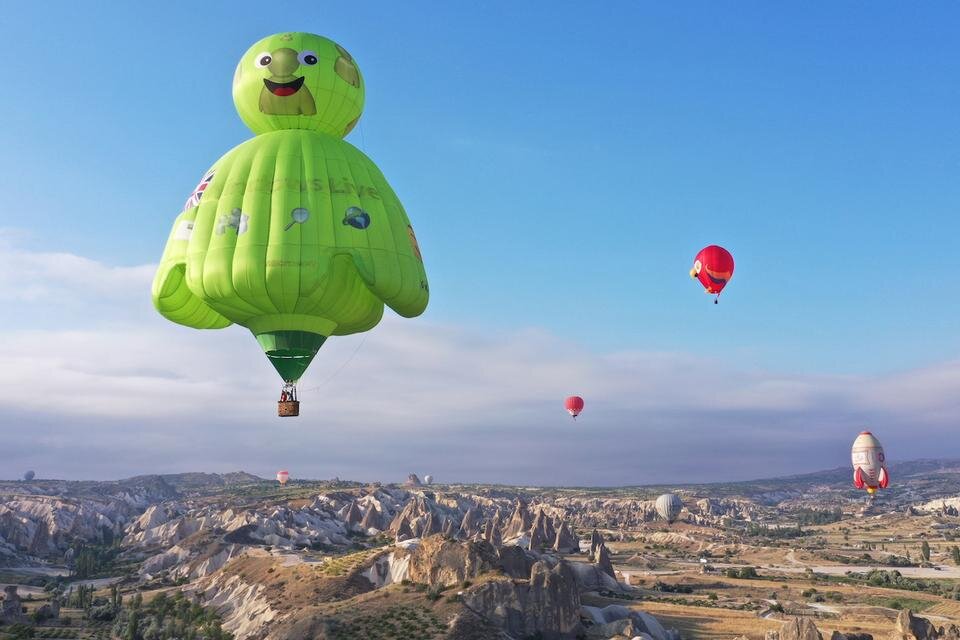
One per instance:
(294,234)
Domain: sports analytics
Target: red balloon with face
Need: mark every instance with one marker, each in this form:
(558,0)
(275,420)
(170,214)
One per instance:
(713,267)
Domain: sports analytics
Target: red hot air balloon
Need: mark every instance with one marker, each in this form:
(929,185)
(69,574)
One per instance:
(713,267)
(282,477)
(573,405)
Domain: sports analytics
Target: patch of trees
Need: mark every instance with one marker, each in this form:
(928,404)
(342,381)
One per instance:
(774,533)
(745,573)
(91,561)
(895,580)
(168,618)
(867,559)
(672,588)
(818,516)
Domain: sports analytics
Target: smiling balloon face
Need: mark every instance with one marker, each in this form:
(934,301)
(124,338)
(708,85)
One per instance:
(713,267)
(298,81)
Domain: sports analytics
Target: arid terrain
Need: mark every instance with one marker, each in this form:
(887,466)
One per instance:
(206,555)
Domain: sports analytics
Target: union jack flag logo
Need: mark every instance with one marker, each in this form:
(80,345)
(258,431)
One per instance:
(194,198)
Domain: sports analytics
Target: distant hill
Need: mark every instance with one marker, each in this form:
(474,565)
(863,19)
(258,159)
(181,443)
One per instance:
(911,476)
(198,482)
(911,481)
(157,486)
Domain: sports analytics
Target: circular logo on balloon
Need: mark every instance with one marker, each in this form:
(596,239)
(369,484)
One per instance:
(357,218)
(297,216)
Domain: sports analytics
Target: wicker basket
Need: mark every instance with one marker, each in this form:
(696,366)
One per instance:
(288,408)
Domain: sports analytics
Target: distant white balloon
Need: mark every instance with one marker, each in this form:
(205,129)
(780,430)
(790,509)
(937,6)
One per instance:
(428,479)
(669,506)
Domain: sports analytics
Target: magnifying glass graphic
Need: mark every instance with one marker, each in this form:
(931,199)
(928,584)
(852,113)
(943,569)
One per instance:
(298,216)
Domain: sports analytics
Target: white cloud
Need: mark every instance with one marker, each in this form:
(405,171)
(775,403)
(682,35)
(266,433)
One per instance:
(34,276)
(138,395)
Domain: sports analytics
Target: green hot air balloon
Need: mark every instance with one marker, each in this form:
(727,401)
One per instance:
(294,234)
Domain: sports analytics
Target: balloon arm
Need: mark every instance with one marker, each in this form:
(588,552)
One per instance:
(172,296)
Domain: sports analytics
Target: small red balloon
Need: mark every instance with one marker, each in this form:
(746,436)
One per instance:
(713,267)
(573,405)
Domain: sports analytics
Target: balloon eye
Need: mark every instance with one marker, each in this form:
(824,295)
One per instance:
(263,59)
(308,58)
(697,266)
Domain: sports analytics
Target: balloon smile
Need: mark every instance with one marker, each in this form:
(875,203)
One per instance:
(283,89)
(716,280)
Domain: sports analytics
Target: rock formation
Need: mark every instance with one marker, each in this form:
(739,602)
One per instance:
(599,555)
(470,525)
(372,519)
(796,629)
(603,561)
(519,522)
(487,531)
(911,627)
(616,621)
(547,604)
(353,516)
(537,541)
(433,525)
(438,561)
(565,541)
(907,627)
(595,541)
(404,532)
(448,529)
(542,532)
(11,609)
(515,562)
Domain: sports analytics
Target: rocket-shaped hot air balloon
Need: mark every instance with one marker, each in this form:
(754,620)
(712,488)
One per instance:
(294,234)
(283,477)
(869,464)
(713,268)
(573,405)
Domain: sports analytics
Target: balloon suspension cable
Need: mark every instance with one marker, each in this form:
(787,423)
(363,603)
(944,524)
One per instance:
(340,368)
(717,299)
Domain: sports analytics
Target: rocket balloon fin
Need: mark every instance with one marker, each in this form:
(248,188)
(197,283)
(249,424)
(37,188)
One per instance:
(858,479)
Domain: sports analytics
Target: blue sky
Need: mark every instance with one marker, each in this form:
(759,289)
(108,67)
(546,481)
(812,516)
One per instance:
(561,167)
